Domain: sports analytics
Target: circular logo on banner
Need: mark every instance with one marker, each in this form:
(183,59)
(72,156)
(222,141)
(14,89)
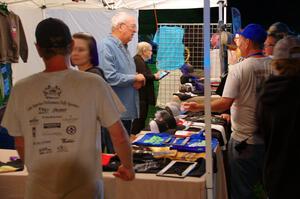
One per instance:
(71,130)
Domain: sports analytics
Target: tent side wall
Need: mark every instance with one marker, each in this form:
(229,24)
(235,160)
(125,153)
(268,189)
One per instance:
(30,17)
(94,21)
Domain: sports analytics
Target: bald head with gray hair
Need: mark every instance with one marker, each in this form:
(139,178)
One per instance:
(124,26)
(119,18)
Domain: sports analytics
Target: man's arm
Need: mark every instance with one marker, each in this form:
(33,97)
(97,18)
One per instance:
(222,104)
(218,105)
(122,147)
(19,144)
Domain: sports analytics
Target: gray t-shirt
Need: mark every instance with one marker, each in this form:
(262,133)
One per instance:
(243,83)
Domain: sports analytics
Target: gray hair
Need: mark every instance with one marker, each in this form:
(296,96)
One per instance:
(143,46)
(120,17)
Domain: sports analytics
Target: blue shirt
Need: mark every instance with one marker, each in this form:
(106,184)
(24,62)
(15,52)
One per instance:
(120,70)
(170,55)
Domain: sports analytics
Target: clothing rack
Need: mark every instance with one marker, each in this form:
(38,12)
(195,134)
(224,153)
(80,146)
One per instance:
(3,8)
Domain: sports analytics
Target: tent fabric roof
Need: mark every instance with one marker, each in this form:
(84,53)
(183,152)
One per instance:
(115,4)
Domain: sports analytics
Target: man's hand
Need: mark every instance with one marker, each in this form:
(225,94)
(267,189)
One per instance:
(125,173)
(139,81)
(191,106)
(226,116)
(138,85)
(122,146)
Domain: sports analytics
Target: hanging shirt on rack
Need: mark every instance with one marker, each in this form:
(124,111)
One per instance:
(170,55)
(12,38)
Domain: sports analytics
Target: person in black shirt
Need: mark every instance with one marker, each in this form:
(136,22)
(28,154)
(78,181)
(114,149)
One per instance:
(85,54)
(278,120)
(146,93)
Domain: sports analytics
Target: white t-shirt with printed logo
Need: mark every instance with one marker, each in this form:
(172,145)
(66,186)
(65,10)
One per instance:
(58,114)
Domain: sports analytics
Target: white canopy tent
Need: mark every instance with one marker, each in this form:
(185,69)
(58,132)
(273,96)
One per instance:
(116,4)
(94,16)
(91,16)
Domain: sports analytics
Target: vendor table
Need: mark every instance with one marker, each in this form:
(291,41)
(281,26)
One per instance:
(146,186)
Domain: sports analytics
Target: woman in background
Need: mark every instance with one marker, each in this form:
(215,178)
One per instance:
(85,56)
(146,93)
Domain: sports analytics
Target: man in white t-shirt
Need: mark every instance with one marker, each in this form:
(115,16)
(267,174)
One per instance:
(245,150)
(55,117)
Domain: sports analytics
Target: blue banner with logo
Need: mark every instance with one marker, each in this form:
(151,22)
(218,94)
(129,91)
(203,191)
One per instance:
(236,20)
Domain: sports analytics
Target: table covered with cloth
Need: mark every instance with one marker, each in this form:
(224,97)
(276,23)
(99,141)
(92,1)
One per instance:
(146,186)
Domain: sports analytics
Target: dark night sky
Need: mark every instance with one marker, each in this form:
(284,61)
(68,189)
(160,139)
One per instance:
(264,12)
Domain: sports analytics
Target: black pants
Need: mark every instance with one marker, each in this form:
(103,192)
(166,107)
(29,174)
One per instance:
(106,142)
(107,146)
(138,124)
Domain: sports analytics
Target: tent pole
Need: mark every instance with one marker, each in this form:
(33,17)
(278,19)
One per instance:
(221,28)
(43,7)
(225,12)
(15,2)
(43,13)
(207,100)
(221,3)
